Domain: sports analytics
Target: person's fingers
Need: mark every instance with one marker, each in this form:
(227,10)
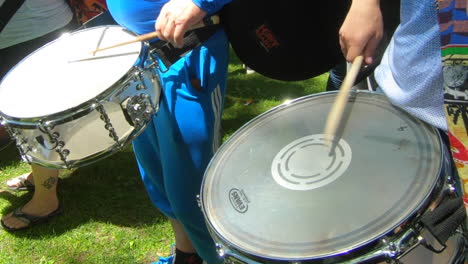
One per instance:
(161,21)
(175,18)
(183,22)
(372,46)
(189,17)
(369,51)
(353,52)
(181,27)
(344,48)
(169,30)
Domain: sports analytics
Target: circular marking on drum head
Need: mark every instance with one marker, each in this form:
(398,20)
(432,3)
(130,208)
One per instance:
(306,163)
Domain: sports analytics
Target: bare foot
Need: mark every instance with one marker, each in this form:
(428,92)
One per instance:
(22,182)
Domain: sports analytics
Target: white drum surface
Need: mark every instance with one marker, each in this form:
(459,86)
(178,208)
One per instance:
(50,80)
(273,191)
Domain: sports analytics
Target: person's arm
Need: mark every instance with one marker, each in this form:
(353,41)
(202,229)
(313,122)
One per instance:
(362,30)
(177,16)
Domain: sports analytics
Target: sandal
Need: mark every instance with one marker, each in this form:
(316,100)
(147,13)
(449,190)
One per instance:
(30,220)
(24,184)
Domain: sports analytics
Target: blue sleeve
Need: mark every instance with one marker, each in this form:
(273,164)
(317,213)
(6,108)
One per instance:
(211,6)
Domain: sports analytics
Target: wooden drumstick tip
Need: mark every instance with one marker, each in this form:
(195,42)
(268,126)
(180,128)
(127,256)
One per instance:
(336,112)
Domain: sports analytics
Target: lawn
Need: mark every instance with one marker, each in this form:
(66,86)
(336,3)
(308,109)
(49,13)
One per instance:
(108,217)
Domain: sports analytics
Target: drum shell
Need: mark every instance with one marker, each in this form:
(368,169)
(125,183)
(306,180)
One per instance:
(407,228)
(96,128)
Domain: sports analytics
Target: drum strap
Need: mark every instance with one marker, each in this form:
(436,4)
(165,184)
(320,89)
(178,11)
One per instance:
(443,221)
(8,10)
(192,39)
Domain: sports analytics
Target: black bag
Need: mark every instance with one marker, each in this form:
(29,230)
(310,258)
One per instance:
(288,41)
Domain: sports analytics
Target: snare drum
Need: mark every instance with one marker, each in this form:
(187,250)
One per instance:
(274,192)
(68,108)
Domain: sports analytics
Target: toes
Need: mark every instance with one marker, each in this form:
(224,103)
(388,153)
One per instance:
(12,222)
(18,181)
(13,182)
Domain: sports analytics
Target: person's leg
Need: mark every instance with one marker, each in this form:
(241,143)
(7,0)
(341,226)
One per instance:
(336,77)
(189,134)
(182,240)
(147,153)
(44,200)
(175,148)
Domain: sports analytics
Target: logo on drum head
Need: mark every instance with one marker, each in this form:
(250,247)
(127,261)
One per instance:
(306,163)
(238,200)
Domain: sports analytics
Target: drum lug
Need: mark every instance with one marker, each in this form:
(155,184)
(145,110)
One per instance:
(140,81)
(138,109)
(154,63)
(451,189)
(198,201)
(391,251)
(53,140)
(230,257)
(108,124)
(21,144)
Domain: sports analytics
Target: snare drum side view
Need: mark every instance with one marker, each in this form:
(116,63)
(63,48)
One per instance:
(273,193)
(67,108)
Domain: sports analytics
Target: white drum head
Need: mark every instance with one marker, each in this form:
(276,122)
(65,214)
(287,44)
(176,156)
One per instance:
(273,191)
(51,80)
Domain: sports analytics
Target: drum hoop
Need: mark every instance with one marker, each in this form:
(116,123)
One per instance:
(86,107)
(421,207)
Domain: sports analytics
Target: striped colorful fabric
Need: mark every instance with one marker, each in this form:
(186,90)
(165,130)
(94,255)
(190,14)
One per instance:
(453,21)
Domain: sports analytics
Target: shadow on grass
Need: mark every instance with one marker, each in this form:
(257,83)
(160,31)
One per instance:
(108,191)
(9,156)
(246,93)
(250,96)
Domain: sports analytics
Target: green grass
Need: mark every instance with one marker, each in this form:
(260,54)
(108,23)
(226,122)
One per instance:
(108,216)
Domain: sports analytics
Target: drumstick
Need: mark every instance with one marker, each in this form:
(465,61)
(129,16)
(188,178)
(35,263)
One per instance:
(212,20)
(336,112)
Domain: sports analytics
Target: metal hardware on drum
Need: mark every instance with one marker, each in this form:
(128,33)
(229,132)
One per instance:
(139,109)
(53,140)
(108,125)
(155,62)
(20,140)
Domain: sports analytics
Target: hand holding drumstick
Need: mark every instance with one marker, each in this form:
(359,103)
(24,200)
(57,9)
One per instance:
(360,35)
(212,20)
